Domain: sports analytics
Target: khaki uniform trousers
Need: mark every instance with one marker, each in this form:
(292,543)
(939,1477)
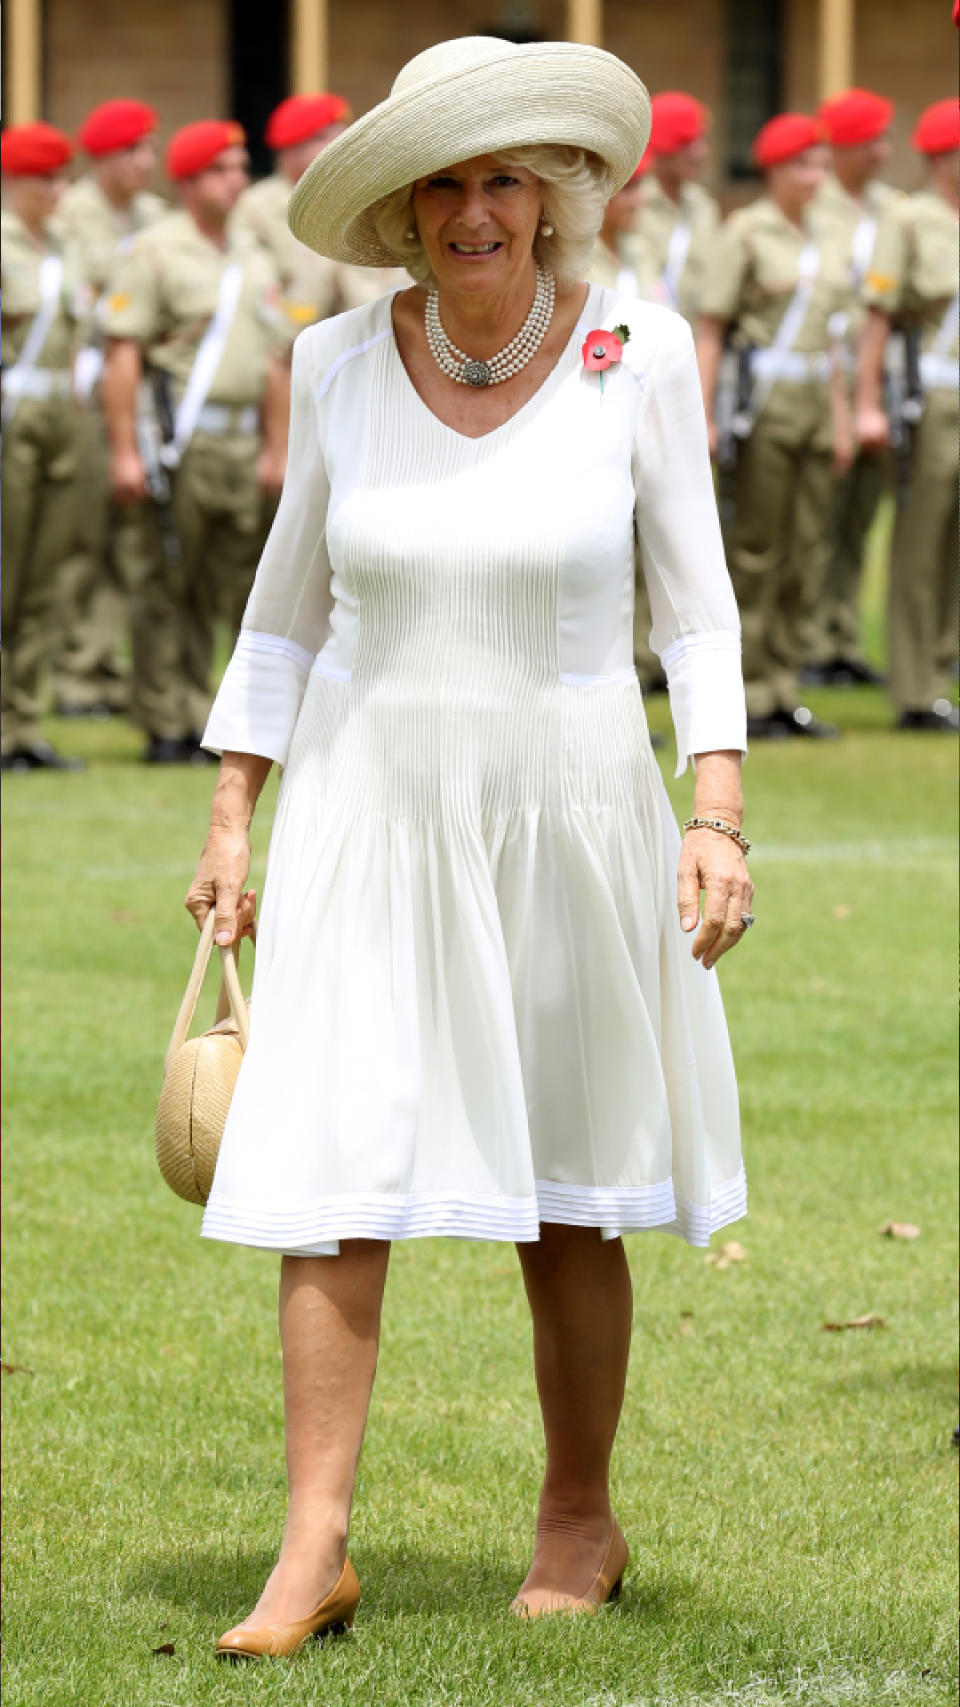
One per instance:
(221,520)
(94,586)
(922,600)
(783,489)
(836,629)
(38,469)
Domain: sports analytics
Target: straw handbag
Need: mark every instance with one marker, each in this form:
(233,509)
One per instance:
(199,1076)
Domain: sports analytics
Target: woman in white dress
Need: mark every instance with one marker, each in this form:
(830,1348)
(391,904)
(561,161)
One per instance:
(483,1008)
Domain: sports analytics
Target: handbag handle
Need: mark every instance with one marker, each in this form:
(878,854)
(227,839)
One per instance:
(231,997)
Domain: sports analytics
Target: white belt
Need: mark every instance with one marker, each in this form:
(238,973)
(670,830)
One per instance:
(42,382)
(790,365)
(939,373)
(216,419)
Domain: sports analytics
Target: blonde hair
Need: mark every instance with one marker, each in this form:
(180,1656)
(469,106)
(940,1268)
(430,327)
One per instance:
(576,189)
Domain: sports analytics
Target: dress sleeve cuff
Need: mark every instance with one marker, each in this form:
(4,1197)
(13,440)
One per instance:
(705,682)
(259,698)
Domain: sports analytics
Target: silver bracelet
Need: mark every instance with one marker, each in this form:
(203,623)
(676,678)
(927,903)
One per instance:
(721,825)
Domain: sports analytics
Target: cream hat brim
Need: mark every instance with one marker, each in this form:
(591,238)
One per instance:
(475,95)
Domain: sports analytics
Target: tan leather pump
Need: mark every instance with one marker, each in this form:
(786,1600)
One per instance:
(606,1585)
(335,1614)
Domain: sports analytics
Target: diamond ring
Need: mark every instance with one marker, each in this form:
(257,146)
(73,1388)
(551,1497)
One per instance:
(747,919)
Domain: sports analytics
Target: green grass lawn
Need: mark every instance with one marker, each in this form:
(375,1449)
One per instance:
(787,1492)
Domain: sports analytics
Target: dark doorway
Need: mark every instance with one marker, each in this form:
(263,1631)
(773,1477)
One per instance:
(754,77)
(259,75)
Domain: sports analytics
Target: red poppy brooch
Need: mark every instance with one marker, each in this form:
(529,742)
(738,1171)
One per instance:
(601,349)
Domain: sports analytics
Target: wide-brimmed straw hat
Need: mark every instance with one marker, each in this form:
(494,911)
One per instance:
(475,95)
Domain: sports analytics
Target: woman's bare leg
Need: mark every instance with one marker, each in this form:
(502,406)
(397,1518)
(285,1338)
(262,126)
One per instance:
(329,1331)
(578,1287)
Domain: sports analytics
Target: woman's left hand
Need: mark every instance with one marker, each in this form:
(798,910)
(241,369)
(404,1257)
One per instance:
(713,863)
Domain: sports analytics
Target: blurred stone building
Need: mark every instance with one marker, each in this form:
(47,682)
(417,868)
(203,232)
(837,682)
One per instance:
(207,58)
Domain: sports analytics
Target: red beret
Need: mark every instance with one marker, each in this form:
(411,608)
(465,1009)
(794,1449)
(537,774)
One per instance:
(677,120)
(301,116)
(116,125)
(938,128)
(784,137)
(34,150)
(196,146)
(858,115)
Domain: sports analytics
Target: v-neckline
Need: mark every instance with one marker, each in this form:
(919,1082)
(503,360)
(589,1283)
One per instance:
(545,384)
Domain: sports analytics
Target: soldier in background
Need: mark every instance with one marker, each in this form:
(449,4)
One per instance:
(776,284)
(196,307)
(313,287)
(620,258)
(621,262)
(100,215)
(912,283)
(678,219)
(297,131)
(848,205)
(38,465)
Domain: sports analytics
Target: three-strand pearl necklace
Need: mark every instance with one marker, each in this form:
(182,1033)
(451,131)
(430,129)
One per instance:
(467,370)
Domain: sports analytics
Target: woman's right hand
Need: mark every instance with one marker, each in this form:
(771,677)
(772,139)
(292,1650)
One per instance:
(219,881)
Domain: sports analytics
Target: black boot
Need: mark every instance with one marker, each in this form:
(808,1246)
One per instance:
(799,720)
(38,756)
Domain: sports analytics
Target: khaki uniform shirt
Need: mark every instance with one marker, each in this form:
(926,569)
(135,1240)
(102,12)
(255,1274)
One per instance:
(752,276)
(662,220)
(313,287)
(163,293)
(97,229)
(629,269)
(915,266)
(20,259)
(853,226)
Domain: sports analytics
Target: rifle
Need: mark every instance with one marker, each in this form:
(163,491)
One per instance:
(904,407)
(155,429)
(736,427)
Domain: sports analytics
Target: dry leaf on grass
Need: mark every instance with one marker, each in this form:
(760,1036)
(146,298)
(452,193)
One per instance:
(165,1648)
(900,1230)
(858,1322)
(841,910)
(16,1369)
(726,1254)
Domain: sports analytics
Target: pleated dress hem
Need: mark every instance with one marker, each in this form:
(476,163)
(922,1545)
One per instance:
(316,1231)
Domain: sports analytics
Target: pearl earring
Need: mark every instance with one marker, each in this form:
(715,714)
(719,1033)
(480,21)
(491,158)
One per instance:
(411,234)
(546,229)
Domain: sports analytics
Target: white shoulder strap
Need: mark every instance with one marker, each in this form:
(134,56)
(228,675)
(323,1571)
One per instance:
(89,362)
(205,364)
(808,266)
(51,280)
(861,248)
(677,252)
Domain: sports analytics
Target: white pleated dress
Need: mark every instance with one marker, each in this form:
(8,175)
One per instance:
(474,1009)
